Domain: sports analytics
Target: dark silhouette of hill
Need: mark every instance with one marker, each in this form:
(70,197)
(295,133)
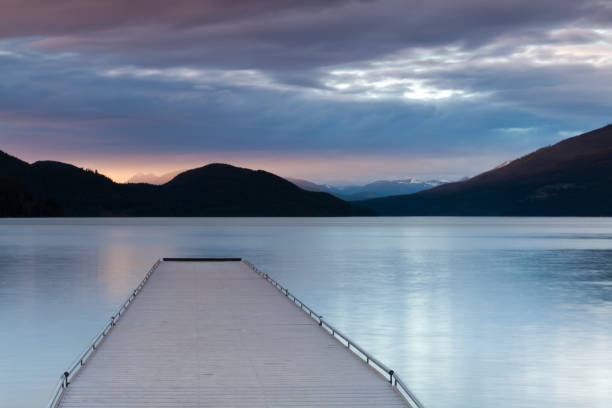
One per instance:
(17,201)
(15,198)
(221,189)
(570,178)
(48,188)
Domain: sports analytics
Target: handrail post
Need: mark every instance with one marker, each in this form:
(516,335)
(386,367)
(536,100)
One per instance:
(369,360)
(64,383)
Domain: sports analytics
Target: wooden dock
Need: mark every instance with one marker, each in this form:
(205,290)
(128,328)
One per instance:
(217,334)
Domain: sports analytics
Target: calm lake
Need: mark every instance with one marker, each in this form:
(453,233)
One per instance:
(471,312)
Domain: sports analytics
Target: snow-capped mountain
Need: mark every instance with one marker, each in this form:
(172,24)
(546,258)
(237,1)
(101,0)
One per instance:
(150,178)
(380,188)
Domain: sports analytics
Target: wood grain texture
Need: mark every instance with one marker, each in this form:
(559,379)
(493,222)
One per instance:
(215,334)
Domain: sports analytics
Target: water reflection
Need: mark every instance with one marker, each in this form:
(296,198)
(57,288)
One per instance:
(472,312)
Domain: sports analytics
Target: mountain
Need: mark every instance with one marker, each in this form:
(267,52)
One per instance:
(48,188)
(570,178)
(150,178)
(310,186)
(221,189)
(381,188)
(15,199)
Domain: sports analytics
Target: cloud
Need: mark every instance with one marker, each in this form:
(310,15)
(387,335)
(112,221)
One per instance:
(424,79)
(278,34)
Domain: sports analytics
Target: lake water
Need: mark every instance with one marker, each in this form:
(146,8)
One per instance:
(471,312)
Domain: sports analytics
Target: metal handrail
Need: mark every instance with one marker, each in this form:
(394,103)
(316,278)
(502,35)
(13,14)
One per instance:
(400,386)
(370,360)
(80,361)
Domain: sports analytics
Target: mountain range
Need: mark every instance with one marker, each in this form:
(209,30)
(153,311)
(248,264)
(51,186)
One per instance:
(381,188)
(570,178)
(49,188)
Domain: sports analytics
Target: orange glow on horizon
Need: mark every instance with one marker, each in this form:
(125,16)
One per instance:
(315,168)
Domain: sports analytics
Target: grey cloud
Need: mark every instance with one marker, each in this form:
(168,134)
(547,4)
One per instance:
(56,88)
(277,35)
(77,110)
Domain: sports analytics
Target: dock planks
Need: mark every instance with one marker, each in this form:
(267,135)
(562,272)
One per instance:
(216,334)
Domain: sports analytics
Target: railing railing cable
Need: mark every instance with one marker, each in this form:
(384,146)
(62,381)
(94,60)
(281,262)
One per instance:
(370,360)
(80,361)
(386,372)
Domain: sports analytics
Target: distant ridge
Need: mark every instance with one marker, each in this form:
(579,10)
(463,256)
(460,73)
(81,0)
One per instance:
(149,178)
(570,178)
(48,188)
(380,188)
(223,189)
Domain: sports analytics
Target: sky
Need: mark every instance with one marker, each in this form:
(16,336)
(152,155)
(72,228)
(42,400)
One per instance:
(330,91)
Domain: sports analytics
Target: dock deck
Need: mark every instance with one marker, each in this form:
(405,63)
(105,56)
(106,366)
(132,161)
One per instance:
(216,334)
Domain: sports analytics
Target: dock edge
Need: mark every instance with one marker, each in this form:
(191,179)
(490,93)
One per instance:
(388,374)
(79,362)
